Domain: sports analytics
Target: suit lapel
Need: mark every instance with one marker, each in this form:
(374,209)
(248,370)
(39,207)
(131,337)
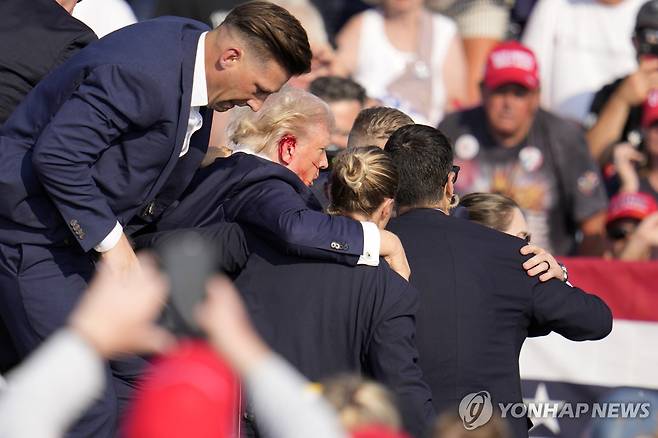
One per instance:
(190,38)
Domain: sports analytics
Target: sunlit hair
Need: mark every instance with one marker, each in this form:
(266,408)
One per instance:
(361,179)
(376,124)
(273,32)
(490,209)
(361,402)
(288,112)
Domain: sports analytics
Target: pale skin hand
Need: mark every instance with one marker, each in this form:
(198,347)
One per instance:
(635,88)
(640,242)
(625,156)
(539,262)
(224,319)
(632,91)
(121,259)
(393,251)
(116,315)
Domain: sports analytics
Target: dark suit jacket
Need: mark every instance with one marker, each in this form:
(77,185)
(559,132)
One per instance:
(477,306)
(100,137)
(256,192)
(36,37)
(326,318)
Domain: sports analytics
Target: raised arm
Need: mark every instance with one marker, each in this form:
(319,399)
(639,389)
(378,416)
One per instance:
(275,207)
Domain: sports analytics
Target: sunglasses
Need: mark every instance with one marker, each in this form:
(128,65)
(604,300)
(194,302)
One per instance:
(618,233)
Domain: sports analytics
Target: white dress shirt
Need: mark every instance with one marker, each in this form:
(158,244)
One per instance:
(194,123)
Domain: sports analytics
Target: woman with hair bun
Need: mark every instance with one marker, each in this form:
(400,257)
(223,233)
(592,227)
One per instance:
(363,184)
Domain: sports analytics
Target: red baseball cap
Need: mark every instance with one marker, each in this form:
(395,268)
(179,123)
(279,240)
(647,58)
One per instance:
(650,109)
(630,206)
(190,392)
(511,62)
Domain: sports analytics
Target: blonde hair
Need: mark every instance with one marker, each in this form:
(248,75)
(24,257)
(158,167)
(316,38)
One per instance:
(490,209)
(375,124)
(360,402)
(361,179)
(290,111)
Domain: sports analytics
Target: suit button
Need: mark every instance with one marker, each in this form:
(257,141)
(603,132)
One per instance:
(77,229)
(339,246)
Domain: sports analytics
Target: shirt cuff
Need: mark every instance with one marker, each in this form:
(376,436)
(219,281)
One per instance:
(371,244)
(111,239)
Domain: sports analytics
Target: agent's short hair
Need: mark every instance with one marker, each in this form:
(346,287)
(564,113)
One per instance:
(490,209)
(373,125)
(423,156)
(361,179)
(335,89)
(273,30)
(290,111)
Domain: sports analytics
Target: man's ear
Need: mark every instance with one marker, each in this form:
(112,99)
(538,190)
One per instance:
(387,212)
(287,148)
(449,189)
(230,57)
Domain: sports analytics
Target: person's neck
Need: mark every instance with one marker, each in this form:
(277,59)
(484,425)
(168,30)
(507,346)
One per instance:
(510,140)
(68,5)
(408,19)
(433,206)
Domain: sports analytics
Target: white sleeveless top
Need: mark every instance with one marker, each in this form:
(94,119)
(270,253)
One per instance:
(379,63)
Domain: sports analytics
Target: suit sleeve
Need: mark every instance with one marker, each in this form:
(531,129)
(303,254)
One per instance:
(568,311)
(392,359)
(111,101)
(275,207)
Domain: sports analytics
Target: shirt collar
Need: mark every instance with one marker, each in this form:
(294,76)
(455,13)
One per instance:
(245,149)
(199,86)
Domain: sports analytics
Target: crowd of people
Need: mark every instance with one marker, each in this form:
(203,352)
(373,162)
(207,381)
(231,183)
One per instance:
(299,218)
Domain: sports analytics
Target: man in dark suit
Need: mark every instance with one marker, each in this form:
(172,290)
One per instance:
(477,304)
(265,184)
(327,318)
(35,40)
(109,140)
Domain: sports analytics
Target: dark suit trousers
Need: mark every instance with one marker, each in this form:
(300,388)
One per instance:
(39,287)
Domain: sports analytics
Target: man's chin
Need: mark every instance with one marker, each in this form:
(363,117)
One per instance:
(222,107)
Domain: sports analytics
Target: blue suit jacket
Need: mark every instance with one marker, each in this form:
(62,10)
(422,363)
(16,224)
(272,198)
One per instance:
(478,305)
(98,139)
(270,199)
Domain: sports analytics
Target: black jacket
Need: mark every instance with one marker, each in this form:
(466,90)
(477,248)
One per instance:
(477,306)
(37,36)
(326,318)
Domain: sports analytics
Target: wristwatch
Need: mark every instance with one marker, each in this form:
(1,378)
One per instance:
(565,273)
